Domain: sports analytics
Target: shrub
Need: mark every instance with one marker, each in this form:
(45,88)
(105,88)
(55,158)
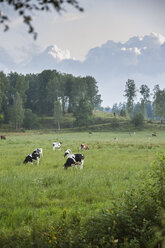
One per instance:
(138,120)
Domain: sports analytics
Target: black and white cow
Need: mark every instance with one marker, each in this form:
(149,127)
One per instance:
(34,156)
(73,159)
(31,157)
(56,145)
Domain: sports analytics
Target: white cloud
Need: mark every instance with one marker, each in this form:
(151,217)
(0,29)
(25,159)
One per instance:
(59,54)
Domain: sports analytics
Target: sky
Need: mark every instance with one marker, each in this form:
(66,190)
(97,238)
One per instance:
(102,20)
(78,32)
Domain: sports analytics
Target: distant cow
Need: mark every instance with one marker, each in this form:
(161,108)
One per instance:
(73,159)
(3,137)
(84,146)
(57,145)
(153,134)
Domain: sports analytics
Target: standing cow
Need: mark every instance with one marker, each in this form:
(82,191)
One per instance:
(3,137)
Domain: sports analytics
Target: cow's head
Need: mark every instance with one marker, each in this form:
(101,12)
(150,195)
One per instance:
(67,152)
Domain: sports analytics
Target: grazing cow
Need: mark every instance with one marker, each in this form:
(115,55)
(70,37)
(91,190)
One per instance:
(31,157)
(116,138)
(67,153)
(56,145)
(153,134)
(39,150)
(84,147)
(73,159)
(3,137)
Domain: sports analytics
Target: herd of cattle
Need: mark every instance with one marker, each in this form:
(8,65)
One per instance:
(72,159)
(75,160)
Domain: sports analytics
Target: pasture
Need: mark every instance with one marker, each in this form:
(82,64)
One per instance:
(40,194)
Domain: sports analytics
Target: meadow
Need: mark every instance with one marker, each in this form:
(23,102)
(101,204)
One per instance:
(40,195)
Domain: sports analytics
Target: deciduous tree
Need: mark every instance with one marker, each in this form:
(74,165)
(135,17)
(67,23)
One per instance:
(130,93)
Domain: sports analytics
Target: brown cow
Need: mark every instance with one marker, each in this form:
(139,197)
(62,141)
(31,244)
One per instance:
(85,147)
(3,137)
(153,134)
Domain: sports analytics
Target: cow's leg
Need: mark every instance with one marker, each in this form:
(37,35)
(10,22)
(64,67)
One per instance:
(38,160)
(81,166)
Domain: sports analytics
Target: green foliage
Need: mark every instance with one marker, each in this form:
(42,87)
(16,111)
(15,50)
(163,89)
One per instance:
(130,93)
(123,113)
(159,102)
(31,120)
(17,111)
(39,93)
(83,113)
(57,112)
(145,92)
(115,123)
(138,120)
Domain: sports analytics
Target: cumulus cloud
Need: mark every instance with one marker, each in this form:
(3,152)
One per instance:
(140,58)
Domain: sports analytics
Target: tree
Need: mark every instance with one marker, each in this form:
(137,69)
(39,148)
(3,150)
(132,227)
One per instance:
(130,93)
(145,92)
(25,8)
(30,120)
(4,93)
(83,113)
(159,102)
(138,120)
(57,112)
(17,111)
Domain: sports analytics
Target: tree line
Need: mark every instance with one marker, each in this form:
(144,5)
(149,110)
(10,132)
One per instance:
(146,107)
(25,98)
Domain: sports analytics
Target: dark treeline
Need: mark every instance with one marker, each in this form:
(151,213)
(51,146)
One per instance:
(25,98)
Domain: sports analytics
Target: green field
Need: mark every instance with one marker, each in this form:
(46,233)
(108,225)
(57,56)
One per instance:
(41,194)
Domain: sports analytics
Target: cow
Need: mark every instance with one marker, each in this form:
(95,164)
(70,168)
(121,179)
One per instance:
(84,147)
(3,137)
(73,159)
(57,145)
(31,157)
(153,134)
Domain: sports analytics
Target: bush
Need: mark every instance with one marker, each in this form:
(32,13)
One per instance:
(138,120)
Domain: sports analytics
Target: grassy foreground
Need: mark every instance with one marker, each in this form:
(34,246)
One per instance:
(41,195)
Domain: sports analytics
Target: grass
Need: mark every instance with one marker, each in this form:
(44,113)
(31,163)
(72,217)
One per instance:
(31,193)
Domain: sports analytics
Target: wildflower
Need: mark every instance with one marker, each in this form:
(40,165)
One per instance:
(50,241)
(54,237)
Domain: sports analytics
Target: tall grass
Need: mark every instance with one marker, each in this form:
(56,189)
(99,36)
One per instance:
(33,195)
